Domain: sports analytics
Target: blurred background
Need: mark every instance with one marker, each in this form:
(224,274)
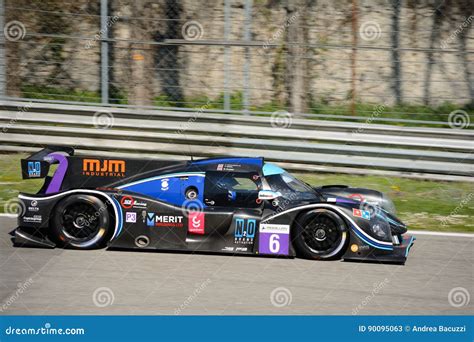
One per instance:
(374,93)
(416,58)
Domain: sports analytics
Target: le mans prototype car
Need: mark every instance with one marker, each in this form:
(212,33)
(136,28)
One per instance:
(222,205)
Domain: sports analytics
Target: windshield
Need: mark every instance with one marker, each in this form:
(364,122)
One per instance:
(289,186)
(286,183)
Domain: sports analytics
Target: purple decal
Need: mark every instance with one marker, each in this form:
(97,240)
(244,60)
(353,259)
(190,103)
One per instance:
(57,181)
(274,239)
(345,200)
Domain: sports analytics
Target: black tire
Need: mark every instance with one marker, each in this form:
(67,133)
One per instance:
(81,222)
(320,234)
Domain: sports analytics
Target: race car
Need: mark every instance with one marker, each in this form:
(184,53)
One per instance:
(221,205)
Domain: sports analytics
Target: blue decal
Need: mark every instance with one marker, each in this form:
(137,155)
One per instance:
(170,188)
(34,169)
(245,228)
(366,214)
(150,219)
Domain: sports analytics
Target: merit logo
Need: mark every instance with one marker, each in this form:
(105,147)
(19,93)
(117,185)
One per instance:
(103,168)
(154,220)
(196,223)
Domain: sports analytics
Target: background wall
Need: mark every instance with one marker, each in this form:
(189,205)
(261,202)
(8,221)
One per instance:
(303,56)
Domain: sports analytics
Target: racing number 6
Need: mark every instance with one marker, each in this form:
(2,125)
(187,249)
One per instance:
(274,243)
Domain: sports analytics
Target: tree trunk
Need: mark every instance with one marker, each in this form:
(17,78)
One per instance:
(139,58)
(396,62)
(467,6)
(437,18)
(167,56)
(296,63)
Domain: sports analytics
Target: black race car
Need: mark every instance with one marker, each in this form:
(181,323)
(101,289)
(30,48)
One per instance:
(223,205)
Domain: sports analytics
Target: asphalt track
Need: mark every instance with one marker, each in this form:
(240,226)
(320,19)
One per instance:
(49,282)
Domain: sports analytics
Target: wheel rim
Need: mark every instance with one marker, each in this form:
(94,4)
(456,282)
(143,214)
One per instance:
(80,222)
(322,236)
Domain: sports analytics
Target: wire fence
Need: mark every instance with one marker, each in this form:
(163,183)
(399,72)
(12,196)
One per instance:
(404,61)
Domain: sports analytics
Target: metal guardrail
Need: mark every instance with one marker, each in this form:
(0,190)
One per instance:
(301,144)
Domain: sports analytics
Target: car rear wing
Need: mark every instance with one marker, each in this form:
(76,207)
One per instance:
(37,165)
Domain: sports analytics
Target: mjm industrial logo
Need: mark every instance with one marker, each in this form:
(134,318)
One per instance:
(103,168)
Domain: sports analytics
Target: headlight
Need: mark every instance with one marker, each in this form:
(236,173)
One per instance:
(381,229)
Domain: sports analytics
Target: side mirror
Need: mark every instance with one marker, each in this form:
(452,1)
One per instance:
(268,194)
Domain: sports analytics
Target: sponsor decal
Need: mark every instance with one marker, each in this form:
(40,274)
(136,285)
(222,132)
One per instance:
(237,249)
(127,202)
(34,169)
(165,185)
(227,167)
(103,168)
(130,217)
(365,214)
(357,197)
(150,219)
(32,219)
(33,206)
(244,232)
(139,205)
(274,239)
(196,222)
(155,220)
(355,248)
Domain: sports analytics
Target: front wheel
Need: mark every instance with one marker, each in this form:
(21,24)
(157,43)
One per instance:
(81,221)
(320,234)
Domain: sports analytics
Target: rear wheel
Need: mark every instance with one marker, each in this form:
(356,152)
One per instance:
(320,234)
(81,221)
